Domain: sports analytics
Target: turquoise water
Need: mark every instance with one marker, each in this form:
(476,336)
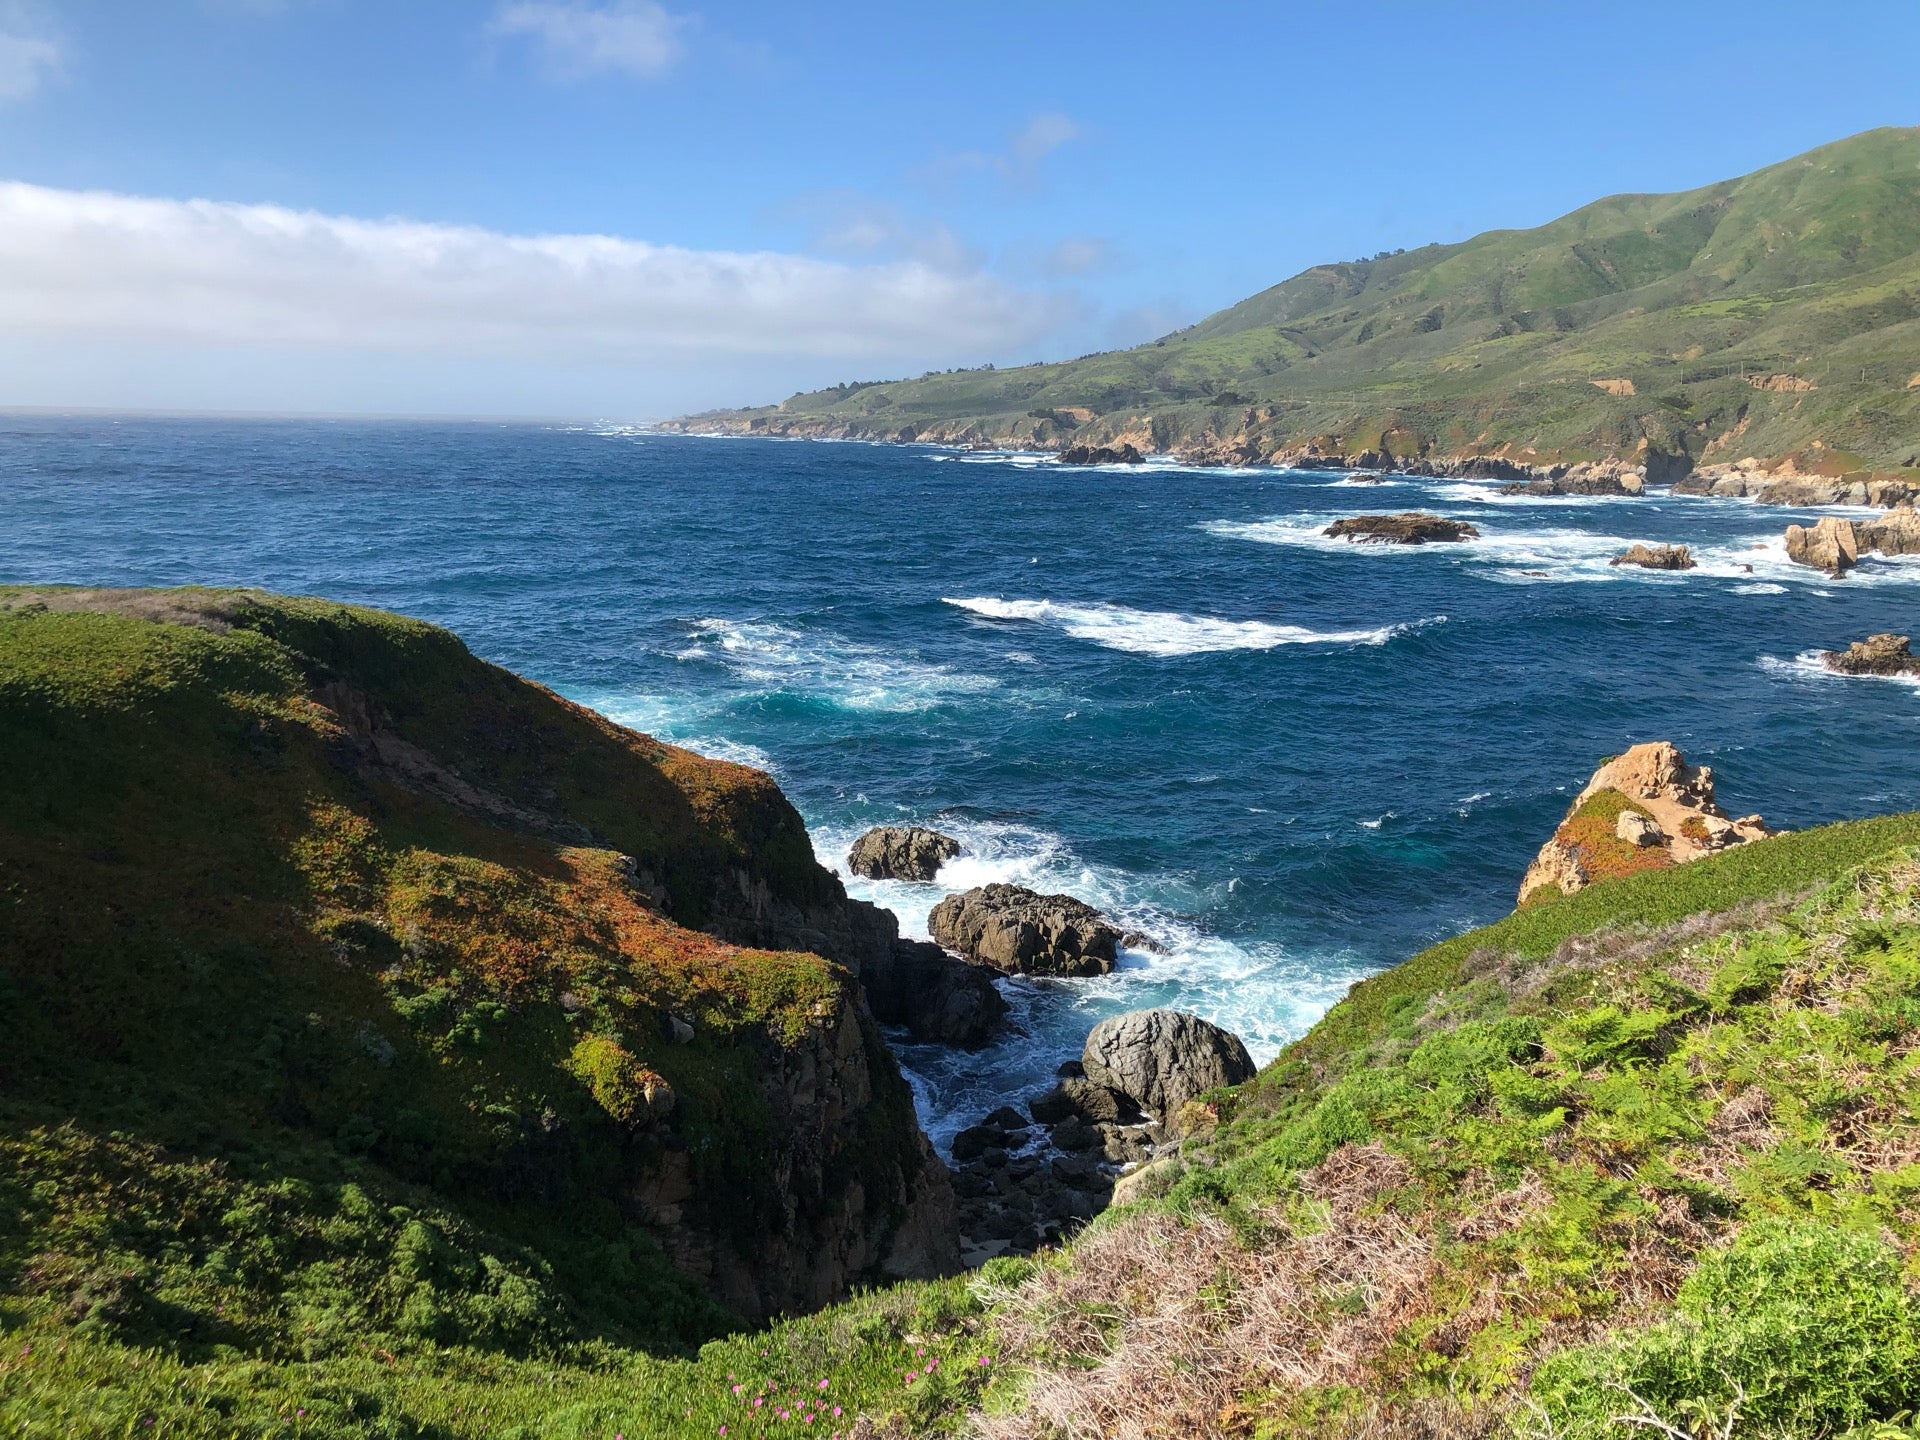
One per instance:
(1290,760)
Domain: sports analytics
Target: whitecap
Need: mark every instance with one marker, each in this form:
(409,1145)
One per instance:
(845,672)
(1166,633)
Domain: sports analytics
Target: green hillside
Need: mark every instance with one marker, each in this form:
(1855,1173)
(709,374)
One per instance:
(1804,277)
(329,1090)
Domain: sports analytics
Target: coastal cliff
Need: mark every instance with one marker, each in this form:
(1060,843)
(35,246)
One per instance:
(312,885)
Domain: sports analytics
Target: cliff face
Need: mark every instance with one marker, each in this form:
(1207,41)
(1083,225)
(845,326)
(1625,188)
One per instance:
(295,876)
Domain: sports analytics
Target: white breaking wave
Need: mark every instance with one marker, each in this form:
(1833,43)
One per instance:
(1165,632)
(862,677)
(681,721)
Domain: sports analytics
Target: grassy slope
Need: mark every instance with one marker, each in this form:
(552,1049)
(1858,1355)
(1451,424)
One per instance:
(1531,1126)
(1810,268)
(301,1061)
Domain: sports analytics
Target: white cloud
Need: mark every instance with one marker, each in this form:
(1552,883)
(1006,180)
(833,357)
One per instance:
(1019,163)
(103,266)
(636,36)
(27,56)
(1040,137)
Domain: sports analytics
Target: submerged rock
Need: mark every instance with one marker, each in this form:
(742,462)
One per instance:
(1100,455)
(1831,546)
(901,852)
(938,997)
(1642,810)
(1021,932)
(1412,528)
(1882,654)
(1656,557)
(1160,1059)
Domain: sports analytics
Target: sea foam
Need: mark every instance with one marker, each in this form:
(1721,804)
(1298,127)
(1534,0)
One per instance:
(1165,632)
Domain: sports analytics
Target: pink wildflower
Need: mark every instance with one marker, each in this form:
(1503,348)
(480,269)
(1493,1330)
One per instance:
(836,1412)
(823,1384)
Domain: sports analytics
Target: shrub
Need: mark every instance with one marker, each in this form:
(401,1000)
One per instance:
(1796,1328)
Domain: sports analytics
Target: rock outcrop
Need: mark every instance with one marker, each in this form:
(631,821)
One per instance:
(1656,557)
(1124,454)
(901,852)
(1895,533)
(1642,810)
(1234,454)
(1783,484)
(1606,477)
(1020,932)
(1411,528)
(1832,545)
(1160,1059)
(938,997)
(1882,654)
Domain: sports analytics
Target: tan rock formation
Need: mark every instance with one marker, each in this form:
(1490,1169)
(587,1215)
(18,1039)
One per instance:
(1644,810)
(1832,546)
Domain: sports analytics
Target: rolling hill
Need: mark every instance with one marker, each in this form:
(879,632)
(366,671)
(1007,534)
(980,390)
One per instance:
(1773,315)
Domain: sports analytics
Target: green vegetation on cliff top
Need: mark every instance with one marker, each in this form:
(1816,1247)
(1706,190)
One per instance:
(1804,276)
(1644,1151)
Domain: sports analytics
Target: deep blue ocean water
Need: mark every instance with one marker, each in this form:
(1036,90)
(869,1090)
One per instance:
(1291,760)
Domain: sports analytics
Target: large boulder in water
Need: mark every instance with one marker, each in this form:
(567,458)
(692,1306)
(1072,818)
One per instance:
(937,996)
(1831,546)
(901,852)
(1412,528)
(1021,932)
(1875,655)
(1656,557)
(1160,1059)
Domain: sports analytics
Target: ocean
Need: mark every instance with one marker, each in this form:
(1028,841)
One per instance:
(1291,761)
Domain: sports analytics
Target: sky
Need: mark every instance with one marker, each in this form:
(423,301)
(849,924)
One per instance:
(629,209)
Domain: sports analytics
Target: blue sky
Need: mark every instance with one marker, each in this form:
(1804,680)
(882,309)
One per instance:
(623,208)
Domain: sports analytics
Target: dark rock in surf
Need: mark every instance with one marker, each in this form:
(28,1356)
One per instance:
(1100,455)
(901,852)
(1412,528)
(1020,932)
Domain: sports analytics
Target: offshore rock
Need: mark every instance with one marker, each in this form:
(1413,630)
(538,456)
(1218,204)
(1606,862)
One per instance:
(1832,546)
(1882,654)
(938,997)
(1411,528)
(1123,454)
(1642,810)
(1656,557)
(1160,1059)
(901,852)
(1020,932)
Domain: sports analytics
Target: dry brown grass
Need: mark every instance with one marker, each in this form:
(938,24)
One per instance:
(213,610)
(1161,1326)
